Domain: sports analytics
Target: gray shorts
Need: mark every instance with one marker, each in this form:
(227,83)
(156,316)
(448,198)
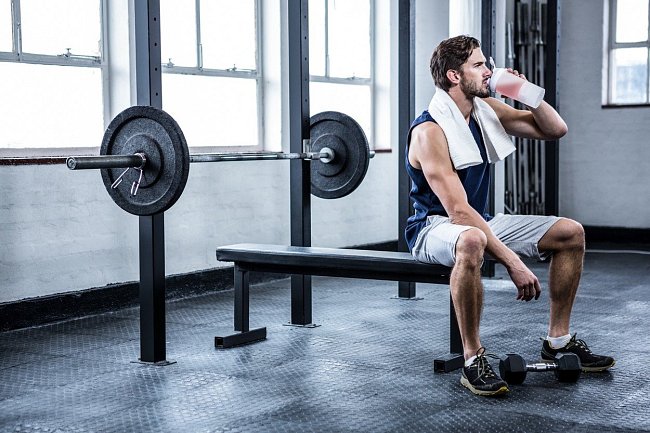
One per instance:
(436,243)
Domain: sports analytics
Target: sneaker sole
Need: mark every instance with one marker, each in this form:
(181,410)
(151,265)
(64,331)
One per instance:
(501,391)
(598,369)
(586,369)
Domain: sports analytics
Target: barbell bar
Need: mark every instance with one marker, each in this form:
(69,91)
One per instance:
(138,160)
(146,147)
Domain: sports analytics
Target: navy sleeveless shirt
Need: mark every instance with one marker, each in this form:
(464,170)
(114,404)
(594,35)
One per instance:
(475,180)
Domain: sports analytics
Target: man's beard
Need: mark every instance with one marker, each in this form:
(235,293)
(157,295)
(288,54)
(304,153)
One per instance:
(470,88)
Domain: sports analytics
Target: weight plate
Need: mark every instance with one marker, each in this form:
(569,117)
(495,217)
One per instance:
(346,138)
(148,130)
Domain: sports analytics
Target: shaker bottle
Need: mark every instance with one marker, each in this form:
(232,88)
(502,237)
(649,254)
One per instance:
(512,86)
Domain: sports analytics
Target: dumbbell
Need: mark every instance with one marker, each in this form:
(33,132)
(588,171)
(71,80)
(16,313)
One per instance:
(566,366)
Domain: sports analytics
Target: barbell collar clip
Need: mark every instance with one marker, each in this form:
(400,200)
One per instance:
(306,145)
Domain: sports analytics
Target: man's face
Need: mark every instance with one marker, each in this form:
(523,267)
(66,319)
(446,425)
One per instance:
(475,75)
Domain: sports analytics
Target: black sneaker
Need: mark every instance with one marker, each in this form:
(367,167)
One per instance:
(590,362)
(481,379)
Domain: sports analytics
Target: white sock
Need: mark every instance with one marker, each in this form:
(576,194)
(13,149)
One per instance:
(469,361)
(558,342)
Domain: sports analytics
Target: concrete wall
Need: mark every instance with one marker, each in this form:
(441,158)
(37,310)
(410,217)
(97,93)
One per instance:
(605,157)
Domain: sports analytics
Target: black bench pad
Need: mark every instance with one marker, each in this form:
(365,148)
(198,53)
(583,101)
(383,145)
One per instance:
(350,263)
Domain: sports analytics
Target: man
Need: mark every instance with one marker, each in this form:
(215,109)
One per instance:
(450,226)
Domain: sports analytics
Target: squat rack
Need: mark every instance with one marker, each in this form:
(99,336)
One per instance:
(151,228)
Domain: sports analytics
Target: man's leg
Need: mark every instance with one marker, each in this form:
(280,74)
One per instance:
(466,288)
(462,248)
(566,239)
(467,294)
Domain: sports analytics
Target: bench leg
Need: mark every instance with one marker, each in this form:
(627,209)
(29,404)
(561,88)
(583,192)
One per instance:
(455,359)
(241,299)
(301,300)
(243,333)
(406,289)
(455,342)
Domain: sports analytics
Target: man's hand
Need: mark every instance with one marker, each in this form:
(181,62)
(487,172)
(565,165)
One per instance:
(527,283)
(515,72)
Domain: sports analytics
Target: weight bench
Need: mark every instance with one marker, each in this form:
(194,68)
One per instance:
(350,263)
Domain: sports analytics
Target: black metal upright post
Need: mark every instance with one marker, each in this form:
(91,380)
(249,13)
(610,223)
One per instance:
(488,27)
(488,46)
(406,112)
(552,97)
(300,181)
(152,227)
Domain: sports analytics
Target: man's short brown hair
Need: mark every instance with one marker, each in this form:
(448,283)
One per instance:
(451,54)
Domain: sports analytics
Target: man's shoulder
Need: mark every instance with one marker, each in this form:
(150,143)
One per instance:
(424,117)
(428,131)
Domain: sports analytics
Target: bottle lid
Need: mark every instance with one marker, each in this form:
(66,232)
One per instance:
(496,74)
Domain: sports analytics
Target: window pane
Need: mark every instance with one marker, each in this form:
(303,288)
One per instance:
(53,26)
(178,32)
(630,75)
(5,25)
(349,38)
(317,37)
(631,20)
(50,106)
(352,100)
(213,111)
(228,34)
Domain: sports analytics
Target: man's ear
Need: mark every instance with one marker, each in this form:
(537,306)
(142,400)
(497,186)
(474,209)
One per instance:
(453,76)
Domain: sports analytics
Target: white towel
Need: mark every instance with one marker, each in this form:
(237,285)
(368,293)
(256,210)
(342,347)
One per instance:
(463,149)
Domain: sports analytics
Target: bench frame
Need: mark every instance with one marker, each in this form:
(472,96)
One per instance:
(362,264)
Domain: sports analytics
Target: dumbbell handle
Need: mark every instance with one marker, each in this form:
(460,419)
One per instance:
(541,366)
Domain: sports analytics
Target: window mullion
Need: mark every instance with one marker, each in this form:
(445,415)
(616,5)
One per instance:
(356,81)
(259,83)
(193,70)
(107,102)
(199,44)
(610,53)
(49,59)
(17,34)
(647,78)
(641,44)
(327,38)
(373,108)
(648,59)
(612,22)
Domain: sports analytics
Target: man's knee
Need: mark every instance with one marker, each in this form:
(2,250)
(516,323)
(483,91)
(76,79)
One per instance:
(569,233)
(471,247)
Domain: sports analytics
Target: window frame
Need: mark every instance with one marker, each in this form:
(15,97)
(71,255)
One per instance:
(17,55)
(256,74)
(370,82)
(612,45)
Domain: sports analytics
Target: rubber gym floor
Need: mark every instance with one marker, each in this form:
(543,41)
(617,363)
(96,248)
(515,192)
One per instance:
(367,368)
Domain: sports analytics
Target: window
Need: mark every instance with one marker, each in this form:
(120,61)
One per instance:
(211,77)
(340,58)
(629,43)
(52,68)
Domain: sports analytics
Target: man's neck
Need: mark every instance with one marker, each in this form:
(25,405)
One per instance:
(465,103)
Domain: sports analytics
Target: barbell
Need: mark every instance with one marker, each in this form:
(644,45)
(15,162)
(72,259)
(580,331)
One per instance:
(145,146)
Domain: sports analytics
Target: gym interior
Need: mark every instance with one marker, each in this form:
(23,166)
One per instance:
(249,272)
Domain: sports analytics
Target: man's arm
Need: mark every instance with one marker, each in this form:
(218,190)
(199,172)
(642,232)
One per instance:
(429,151)
(541,123)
